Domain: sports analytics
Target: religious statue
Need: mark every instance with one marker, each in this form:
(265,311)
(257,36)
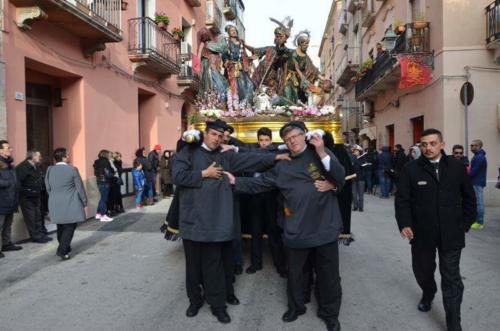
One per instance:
(211,79)
(301,73)
(237,66)
(273,68)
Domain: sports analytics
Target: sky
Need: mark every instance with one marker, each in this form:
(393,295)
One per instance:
(309,14)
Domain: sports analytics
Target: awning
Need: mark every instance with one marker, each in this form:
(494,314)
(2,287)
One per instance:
(370,132)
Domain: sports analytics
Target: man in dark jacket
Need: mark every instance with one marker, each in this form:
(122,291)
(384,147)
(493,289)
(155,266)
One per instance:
(206,216)
(312,219)
(458,153)
(154,159)
(398,162)
(477,174)
(435,206)
(9,198)
(31,182)
(385,172)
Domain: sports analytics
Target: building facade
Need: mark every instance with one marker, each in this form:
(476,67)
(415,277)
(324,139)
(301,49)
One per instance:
(362,46)
(90,75)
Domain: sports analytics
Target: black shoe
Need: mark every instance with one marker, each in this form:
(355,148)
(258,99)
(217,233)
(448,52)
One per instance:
(361,209)
(193,309)
(283,274)
(11,248)
(233,300)
(354,209)
(40,240)
(238,269)
(48,238)
(424,305)
(291,315)
(1,255)
(222,316)
(334,327)
(253,269)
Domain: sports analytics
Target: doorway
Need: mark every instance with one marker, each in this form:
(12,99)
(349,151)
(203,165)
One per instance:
(390,136)
(418,127)
(39,120)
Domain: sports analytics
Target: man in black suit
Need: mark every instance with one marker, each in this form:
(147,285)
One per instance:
(435,206)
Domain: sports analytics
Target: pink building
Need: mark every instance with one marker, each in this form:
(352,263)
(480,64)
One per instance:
(97,74)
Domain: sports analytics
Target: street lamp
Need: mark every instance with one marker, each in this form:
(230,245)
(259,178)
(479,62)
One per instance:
(389,39)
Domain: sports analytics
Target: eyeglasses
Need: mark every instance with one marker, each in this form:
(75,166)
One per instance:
(292,138)
(458,153)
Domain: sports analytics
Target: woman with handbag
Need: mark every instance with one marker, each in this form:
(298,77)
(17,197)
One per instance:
(104,175)
(115,203)
(65,188)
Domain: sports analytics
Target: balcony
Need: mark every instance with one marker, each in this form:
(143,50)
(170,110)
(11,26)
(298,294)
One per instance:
(368,16)
(151,48)
(348,67)
(187,78)
(194,3)
(493,25)
(214,16)
(230,10)
(96,22)
(343,26)
(386,72)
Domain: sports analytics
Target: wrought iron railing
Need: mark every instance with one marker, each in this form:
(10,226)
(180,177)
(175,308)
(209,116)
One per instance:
(213,13)
(350,58)
(493,22)
(107,10)
(413,41)
(146,38)
(187,72)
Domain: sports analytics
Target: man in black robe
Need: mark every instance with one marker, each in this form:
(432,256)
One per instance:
(206,215)
(312,219)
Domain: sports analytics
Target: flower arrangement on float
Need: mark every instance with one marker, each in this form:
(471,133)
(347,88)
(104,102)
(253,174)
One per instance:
(213,106)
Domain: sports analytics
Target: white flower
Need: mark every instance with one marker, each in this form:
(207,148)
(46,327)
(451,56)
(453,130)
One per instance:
(326,110)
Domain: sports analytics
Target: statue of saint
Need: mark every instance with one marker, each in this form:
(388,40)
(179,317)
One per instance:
(211,78)
(302,73)
(237,67)
(273,67)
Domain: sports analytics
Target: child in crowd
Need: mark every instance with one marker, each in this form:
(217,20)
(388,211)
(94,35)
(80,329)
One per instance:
(139,183)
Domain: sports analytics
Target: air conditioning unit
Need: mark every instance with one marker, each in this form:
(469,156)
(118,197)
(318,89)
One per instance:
(185,48)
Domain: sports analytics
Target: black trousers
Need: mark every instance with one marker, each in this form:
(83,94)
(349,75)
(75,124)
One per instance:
(264,220)
(206,265)
(328,291)
(65,234)
(424,266)
(32,214)
(115,197)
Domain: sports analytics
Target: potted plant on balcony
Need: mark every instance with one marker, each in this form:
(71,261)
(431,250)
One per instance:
(178,34)
(367,65)
(399,27)
(419,22)
(162,20)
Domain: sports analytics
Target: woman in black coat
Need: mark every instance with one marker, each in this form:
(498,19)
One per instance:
(115,203)
(104,175)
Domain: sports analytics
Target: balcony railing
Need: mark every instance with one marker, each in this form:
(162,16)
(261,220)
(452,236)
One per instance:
(384,73)
(230,9)
(187,78)
(214,15)
(348,67)
(95,21)
(153,47)
(493,25)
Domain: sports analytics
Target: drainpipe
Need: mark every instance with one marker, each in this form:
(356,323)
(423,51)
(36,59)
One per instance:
(3,107)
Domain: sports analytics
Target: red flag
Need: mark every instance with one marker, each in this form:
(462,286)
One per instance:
(413,72)
(196,64)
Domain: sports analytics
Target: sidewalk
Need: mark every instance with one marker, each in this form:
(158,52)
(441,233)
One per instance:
(125,276)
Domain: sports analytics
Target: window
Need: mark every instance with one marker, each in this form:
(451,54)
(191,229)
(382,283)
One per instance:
(416,9)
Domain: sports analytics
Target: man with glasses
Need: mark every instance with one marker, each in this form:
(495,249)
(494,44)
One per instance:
(435,206)
(477,174)
(458,153)
(312,218)
(9,198)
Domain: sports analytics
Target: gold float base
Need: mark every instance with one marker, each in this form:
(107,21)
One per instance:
(247,131)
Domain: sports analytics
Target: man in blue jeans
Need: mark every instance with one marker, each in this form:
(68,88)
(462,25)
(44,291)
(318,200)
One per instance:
(477,174)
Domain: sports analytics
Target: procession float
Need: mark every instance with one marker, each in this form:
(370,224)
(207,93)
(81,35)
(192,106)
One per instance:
(253,87)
